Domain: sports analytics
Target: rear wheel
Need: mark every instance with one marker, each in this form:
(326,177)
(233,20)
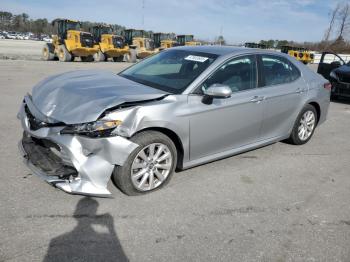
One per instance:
(63,54)
(118,59)
(99,57)
(47,52)
(149,166)
(304,126)
(89,58)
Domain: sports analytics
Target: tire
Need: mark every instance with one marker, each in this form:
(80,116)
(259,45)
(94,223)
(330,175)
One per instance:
(131,56)
(89,58)
(99,57)
(297,137)
(118,58)
(48,52)
(122,175)
(63,54)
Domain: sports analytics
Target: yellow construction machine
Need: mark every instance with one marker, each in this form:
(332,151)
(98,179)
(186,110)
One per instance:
(109,45)
(187,40)
(299,53)
(140,46)
(163,41)
(69,42)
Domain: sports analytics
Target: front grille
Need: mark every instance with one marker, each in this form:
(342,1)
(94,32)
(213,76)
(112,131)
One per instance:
(86,40)
(118,42)
(344,78)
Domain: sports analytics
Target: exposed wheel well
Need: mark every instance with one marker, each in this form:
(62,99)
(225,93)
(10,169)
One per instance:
(176,140)
(318,109)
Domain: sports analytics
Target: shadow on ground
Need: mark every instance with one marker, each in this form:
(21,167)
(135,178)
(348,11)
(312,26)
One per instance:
(93,239)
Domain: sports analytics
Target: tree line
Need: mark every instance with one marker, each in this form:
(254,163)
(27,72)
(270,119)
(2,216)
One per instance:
(23,23)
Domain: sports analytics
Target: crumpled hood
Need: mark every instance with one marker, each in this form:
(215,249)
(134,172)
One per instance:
(82,96)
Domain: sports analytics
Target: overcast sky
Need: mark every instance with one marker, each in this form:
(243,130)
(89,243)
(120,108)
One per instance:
(240,20)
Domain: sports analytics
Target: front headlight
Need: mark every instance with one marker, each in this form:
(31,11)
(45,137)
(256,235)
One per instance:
(100,128)
(334,75)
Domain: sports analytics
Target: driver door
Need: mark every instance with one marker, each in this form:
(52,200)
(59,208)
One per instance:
(328,62)
(227,123)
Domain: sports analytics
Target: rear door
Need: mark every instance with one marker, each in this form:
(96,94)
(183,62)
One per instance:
(284,92)
(328,62)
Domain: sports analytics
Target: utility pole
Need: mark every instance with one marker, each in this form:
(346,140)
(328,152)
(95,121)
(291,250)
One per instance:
(221,36)
(143,14)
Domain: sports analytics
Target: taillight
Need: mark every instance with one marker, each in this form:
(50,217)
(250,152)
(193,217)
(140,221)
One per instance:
(328,86)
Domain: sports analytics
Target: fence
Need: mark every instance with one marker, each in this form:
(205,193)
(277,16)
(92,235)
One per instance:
(331,58)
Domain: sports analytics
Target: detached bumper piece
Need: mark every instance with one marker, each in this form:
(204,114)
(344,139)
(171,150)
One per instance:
(40,153)
(42,158)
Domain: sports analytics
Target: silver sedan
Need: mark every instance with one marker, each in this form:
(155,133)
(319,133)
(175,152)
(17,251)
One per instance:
(180,108)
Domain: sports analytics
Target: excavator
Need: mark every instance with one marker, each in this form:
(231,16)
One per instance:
(163,41)
(140,46)
(109,45)
(187,40)
(69,42)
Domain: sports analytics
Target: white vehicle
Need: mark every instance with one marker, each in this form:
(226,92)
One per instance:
(11,35)
(47,39)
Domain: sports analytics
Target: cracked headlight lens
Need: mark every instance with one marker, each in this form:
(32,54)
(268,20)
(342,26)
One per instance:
(100,128)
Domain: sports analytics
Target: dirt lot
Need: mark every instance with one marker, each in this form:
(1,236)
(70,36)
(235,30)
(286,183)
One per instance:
(277,203)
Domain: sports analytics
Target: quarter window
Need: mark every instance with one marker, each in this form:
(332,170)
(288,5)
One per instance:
(239,74)
(278,70)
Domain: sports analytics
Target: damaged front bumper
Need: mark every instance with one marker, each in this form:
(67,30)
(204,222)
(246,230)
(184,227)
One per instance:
(75,164)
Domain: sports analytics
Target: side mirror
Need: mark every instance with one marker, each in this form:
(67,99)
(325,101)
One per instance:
(216,91)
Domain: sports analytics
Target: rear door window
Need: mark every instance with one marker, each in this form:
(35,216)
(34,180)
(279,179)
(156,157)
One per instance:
(278,70)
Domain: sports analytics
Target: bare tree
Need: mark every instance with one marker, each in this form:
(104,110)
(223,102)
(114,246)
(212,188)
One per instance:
(344,16)
(334,15)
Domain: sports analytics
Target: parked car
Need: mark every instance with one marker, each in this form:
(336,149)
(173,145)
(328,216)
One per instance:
(337,71)
(12,35)
(180,108)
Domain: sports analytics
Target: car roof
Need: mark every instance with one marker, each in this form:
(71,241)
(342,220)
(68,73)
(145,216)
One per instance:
(226,50)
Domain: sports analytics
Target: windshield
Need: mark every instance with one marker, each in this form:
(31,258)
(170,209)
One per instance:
(73,26)
(106,30)
(171,71)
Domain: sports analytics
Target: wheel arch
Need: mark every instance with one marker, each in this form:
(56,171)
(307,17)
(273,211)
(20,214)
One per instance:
(318,109)
(174,137)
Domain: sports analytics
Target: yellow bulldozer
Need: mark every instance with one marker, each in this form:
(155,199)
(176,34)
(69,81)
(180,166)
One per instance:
(163,41)
(187,40)
(299,53)
(69,42)
(140,46)
(109,45)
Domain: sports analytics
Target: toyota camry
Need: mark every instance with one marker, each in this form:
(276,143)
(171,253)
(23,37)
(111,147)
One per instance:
(180,108)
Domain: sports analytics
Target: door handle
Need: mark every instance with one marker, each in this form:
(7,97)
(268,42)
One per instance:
(257,99)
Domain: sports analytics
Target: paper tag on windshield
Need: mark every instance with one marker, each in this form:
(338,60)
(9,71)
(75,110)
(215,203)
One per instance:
(196,58)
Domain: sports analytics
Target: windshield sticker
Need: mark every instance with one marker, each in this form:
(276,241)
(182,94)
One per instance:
(196,58)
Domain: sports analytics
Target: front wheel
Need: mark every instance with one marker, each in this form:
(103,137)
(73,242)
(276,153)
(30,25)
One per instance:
(304,126)
(63,54)
(149,166)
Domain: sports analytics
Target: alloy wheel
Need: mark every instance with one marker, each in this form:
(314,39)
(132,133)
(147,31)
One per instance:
(151,166)
(306,125)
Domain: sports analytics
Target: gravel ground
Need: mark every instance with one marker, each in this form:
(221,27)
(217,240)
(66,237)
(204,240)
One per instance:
(277,203)
(20,49)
